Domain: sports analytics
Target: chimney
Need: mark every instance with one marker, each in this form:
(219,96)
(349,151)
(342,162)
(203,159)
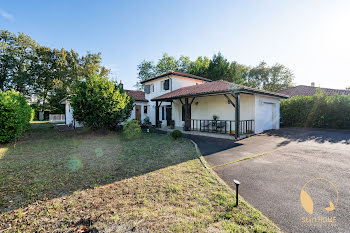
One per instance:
(121,84)
(313,84)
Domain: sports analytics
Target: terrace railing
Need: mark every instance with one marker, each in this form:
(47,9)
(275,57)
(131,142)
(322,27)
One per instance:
(222,126)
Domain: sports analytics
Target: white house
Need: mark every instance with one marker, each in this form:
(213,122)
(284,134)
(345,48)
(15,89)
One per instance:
(199,104)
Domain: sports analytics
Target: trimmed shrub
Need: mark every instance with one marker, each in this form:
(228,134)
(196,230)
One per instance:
(131,129)
(317,111)
(176,134)
(15,115)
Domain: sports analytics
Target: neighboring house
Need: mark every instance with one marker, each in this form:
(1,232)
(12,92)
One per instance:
(302,90)
(193,102)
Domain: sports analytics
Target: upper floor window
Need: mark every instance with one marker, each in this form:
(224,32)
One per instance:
(149,88)
(165,85)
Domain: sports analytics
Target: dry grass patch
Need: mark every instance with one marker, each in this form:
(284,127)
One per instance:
(163,189)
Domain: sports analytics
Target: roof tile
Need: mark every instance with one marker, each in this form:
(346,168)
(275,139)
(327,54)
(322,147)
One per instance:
(137,95)
(214,87)
(303,90)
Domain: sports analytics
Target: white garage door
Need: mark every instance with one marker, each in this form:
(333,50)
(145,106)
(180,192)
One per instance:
(268,116)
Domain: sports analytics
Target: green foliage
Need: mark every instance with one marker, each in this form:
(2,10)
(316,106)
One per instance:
(100,103)
(199,67)
(176,134)
(15,115)
(319,111)
(271,78)
(39,71)
(219,68)
(132,129)
(274,78)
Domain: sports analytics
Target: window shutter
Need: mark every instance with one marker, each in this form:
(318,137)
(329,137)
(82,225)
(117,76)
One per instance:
(166,84)
(147,89)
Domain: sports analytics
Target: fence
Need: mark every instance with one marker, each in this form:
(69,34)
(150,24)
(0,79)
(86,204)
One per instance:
(56,118)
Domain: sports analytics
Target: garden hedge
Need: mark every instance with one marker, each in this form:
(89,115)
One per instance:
(317,111)
(15,115)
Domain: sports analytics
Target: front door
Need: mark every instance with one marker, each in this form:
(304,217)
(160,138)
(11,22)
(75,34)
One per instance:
(168,116)
(138,112)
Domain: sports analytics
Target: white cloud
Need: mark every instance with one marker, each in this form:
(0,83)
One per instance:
(6,15)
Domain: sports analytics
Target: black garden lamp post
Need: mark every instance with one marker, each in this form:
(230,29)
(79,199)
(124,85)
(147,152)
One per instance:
(237,184)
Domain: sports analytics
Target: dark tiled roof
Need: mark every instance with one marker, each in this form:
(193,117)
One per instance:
(137,95)
(216,87)
(309,91)
(177,73)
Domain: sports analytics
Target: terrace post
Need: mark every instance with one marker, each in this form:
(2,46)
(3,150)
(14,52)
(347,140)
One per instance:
(187,120)
(237,116)
(157,114)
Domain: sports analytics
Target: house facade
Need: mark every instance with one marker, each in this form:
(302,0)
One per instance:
(195,103)
(141,105)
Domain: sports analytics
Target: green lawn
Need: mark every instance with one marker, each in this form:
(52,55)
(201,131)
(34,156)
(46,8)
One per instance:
(98,181)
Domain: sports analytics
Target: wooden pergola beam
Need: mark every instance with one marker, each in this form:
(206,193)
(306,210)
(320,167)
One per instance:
(230,101)
(192,100)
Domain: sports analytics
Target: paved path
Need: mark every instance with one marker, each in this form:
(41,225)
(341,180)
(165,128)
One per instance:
(273,182)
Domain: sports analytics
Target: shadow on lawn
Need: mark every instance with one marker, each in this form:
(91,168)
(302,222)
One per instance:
(311,134)
(47,164)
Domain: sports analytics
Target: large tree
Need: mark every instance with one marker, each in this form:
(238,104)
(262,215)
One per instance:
(262,76)
(274,78)
(100,103)
(42,74)
(199,67)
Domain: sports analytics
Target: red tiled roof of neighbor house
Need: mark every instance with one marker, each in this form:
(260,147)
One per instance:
(310,90)
(137,95)
(174,72)
(215,87)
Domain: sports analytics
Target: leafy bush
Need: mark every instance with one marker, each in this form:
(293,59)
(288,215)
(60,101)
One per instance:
(176,134)
(15,115)
(318,111)
(132,129)
(99,103)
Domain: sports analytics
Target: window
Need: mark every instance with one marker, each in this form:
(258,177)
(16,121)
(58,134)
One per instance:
(166,85)
(147,89)
(152,88)
(163,113)
(145,109)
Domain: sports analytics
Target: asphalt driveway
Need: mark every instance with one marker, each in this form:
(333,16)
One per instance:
(289,158)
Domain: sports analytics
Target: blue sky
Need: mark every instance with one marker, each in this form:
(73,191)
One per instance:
(312,38)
